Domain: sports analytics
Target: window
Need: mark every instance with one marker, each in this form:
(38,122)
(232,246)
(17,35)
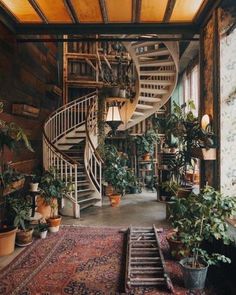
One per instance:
(191,87)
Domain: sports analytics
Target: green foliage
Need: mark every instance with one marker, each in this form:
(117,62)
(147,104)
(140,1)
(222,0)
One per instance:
(115,169)
(146,142)
(9,175)
(51,186)
(42,226)
(200,218)
(21,211)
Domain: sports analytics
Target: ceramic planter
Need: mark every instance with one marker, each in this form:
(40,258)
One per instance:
(7,241)
(115,200)
(43,234)
(194,278)
(34,187)
(54,224)
(24,237)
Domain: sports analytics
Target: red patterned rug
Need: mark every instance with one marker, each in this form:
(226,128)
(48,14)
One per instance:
(78,261)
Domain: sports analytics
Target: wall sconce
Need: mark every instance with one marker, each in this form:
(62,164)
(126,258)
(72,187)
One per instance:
(206,122)
(113,118)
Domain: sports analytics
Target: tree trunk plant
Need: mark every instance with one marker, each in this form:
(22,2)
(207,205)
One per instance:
(204,220)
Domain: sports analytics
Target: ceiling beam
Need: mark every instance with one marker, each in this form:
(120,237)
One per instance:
(169,9)
(205,12)
(71,11)
(8,19)
(111,28)
(107,39)
(39,11)
(103,8)
(136,10)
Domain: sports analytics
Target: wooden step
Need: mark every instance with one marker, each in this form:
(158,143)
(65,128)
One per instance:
(84,194)
(88,203)
(149,99)
(154,91)
(157,73)
(157,63)
(75,137)
(156,82)
(144,106)
(157,52)
(135,113)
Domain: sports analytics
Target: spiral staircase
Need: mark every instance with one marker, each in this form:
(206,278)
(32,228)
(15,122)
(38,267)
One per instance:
(70,133)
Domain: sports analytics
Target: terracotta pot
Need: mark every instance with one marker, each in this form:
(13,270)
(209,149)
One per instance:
(43,208)
(24,237)
(115,200)
(54,223)
(7,241)
(177,248)
(146,157)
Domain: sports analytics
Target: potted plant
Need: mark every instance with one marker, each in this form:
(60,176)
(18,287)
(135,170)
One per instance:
(52,189)
(10,135)
(20,207)
(205,220)
(146,144)
(11,180)
(133,183)
(115,172)
(43,229)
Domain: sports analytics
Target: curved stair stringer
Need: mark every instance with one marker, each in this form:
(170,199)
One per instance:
(63,148)
(157,68)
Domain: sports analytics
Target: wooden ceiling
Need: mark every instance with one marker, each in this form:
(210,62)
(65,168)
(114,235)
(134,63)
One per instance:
(104,11)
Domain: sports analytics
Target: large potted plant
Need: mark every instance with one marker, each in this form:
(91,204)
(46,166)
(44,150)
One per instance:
(10,136)
(52,190)
(115,172)
(21,209)
(146,143)
(205,221)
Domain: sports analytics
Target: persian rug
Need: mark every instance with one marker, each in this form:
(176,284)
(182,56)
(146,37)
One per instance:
(79,261)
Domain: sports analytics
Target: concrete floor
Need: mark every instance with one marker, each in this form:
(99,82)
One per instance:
(139,210)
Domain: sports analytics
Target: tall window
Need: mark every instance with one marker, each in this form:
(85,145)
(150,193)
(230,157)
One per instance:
(191,87)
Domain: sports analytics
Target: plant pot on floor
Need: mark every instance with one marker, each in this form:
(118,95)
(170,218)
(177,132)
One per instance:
(24,237)
(115,200)
(54,224)
(7,240)
(194,278)
(43,234)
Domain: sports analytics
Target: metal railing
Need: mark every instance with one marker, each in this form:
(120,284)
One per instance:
(59,123)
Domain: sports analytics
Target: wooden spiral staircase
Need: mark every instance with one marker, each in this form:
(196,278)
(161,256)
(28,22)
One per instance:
(70,133)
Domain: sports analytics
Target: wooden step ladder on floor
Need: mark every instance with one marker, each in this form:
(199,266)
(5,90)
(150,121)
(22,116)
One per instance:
(145,266)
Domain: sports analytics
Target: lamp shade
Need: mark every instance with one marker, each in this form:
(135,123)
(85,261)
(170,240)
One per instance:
(205,122)
(113,118)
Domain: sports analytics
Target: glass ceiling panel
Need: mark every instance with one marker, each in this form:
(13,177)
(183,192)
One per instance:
(88,11)
(185,10)
(119,12)
(22,10)
(55,11)
(153,10)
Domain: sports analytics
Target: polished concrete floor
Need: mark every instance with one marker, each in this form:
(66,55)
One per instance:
(139,210)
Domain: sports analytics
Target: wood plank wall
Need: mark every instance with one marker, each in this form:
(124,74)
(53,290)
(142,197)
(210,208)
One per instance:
(25,71)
